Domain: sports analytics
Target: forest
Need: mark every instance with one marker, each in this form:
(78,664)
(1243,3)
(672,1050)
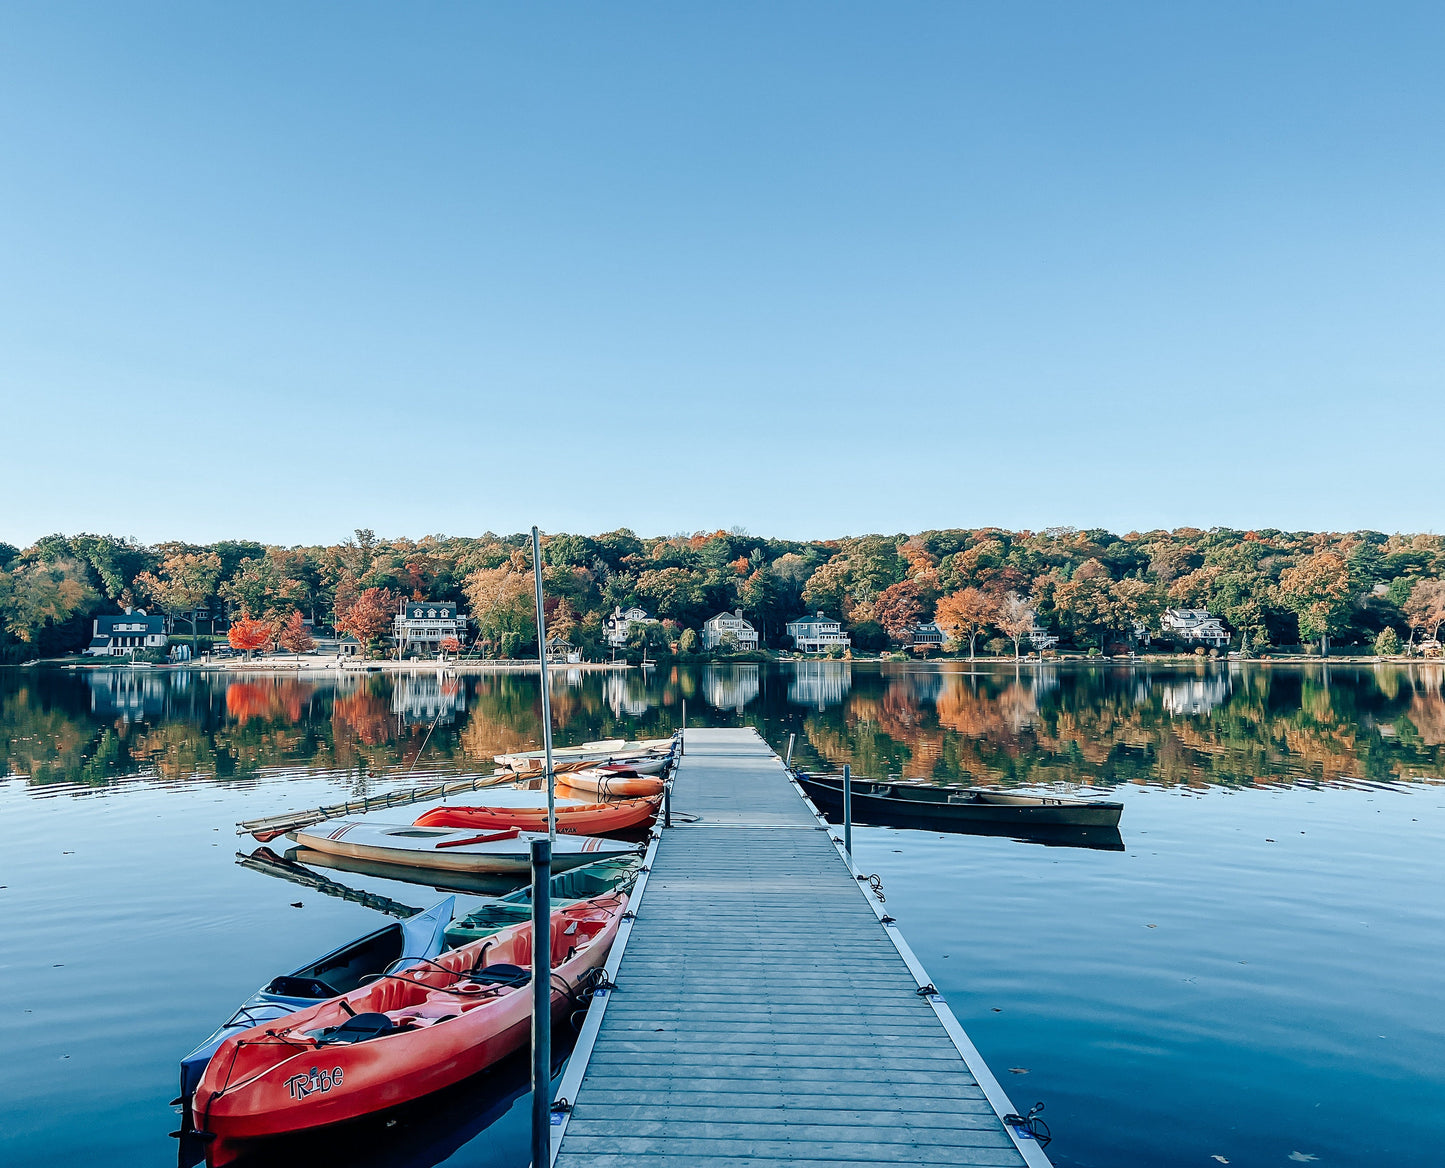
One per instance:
(987,588)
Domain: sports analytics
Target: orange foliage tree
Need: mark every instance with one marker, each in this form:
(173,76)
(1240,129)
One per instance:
(248,635)
(898,608)
(451,645)
(966,613)
(370,616)
(295,637)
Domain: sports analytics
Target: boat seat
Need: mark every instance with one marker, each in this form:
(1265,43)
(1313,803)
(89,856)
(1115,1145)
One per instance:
(501,974)
(291,986)
(357,1028)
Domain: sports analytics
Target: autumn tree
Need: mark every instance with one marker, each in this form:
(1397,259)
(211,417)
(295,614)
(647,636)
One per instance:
(451,645)
(185,582)
(1425,608)
(370,616)
(36,594)
(504,608)
(1318,591)
(1017,618)
(966,613)
(249,634)
(295,637)
(898,608)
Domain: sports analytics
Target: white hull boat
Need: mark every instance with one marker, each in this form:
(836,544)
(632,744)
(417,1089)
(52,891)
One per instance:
(450,849)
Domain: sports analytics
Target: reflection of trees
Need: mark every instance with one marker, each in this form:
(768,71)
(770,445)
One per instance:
(1325,724)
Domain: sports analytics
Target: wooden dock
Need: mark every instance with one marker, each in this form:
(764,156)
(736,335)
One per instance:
(767,1011)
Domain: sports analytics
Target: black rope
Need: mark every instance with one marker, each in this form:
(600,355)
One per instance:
(1031,1124)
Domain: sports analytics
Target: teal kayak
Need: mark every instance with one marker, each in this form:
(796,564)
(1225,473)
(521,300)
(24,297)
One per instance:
(616,874)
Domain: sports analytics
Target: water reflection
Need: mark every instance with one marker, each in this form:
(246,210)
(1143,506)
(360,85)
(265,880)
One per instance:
(1101,726)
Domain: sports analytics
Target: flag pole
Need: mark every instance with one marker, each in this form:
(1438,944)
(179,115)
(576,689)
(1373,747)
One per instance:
(546,688)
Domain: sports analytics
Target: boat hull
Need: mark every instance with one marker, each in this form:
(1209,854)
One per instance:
(614,786)
(585,819)
(446,850)
(881,799)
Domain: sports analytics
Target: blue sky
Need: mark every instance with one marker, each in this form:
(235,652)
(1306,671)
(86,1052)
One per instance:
(278,271)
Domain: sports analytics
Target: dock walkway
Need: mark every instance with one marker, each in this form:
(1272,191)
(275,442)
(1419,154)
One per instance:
(767,1011)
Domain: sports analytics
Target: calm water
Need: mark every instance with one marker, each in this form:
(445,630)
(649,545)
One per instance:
(1255,977)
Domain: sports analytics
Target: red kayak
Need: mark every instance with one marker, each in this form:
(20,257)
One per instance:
(397,1039)
(573,819)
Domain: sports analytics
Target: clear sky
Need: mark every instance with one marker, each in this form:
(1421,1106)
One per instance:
(279,271)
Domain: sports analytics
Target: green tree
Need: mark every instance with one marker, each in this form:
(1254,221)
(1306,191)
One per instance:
(39,594)
(1387,644)
(1317,590)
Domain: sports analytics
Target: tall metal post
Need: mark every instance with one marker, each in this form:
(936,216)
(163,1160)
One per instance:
(541,1003)
(848,810)
(667,804)
(682,736)
(546,688)
(788,760)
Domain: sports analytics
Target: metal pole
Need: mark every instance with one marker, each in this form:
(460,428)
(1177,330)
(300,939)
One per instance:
(788,760)
(848,810)
(546,688)
(682,734)
(667,804)
(541,1003)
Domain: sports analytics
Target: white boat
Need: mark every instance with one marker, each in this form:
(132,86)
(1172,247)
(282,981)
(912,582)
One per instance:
(611,750)
(450,849)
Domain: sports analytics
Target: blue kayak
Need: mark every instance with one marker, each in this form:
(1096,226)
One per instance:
(390,948)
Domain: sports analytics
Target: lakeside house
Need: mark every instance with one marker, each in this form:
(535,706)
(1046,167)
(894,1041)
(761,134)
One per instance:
(924,636)
(133,631)
(618,626)
(422,625)
(561,649)
(1194,624)
(817,634)
(717,630)
(1041,639)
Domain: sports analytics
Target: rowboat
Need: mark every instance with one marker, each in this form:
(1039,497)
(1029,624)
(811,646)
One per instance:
(928,802)
(590,882)
(448,849)
(610,749)
(573,818)
(395,946)
(612,782)
(400,1038)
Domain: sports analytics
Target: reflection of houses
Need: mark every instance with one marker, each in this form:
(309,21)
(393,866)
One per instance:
(134,695)
(1188,696)
(626,699)
(428,697)
(130,632)
(1194,624)
(925,636)
(422,625)
(817,634)
(729,628)
(820,683)
(730,686)
(619,624)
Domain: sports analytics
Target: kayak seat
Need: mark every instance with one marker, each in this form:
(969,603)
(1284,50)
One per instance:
(289,986)
(500,974)
(357,1028)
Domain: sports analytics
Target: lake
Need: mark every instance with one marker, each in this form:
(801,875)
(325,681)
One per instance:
(1252,979)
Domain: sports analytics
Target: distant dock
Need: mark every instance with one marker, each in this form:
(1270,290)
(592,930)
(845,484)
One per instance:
(767,1011)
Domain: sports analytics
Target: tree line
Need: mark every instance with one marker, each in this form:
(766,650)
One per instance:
(1093,589)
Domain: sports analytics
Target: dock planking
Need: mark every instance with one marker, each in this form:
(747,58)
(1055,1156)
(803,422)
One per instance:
(767,1012)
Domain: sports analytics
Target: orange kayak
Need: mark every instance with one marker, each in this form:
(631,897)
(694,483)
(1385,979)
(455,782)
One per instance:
(612,782)
(586,819)
(397,1039)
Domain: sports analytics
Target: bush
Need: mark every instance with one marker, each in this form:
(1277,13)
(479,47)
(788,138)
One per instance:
(1387,644)
(1201,651)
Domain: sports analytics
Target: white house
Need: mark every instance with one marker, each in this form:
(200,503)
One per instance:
(716,630)
(1041,639)
(817,634)
(423,625)
(619,624)
(926,636)
(1194,624)
(131,632)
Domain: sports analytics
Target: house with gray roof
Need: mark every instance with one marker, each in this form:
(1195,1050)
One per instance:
(817,634)
(133,631)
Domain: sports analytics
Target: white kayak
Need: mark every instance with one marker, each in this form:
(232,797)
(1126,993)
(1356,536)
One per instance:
(450,849)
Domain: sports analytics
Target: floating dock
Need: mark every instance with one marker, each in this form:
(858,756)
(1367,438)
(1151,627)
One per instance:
(766,1010)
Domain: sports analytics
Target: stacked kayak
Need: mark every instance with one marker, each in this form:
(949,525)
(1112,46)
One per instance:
(394,947)
(448,849)
(655,752)
(612,782)
(590,882)
(402,1037)
(573,818)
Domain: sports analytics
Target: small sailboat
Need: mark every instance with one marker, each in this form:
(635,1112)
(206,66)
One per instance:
(449,849)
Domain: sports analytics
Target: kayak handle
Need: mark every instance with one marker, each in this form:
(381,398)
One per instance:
(486,838)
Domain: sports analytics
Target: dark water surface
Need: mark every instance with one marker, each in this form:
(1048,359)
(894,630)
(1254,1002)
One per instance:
(1254,978)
